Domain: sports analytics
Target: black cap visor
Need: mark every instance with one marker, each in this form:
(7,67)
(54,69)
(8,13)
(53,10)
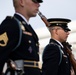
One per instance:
(66,29)
(37,1)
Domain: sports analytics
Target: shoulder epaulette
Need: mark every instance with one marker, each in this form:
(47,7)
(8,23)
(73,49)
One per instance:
(9,17)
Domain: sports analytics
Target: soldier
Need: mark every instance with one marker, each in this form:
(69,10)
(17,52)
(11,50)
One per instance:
(18,40)
(55,58)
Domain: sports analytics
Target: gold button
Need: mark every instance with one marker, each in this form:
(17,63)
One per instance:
(29,41)
(66,62)
(37,44)
(38,53)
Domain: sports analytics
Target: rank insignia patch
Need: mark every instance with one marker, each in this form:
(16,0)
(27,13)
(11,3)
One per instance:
(3,39)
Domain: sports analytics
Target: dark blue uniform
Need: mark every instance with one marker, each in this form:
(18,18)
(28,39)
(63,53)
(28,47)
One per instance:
(13,34)
(51,59)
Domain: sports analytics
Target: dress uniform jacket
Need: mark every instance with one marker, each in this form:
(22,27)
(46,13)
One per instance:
(10,35)
(51,59)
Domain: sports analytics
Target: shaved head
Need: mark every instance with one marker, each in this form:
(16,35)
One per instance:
(15,3)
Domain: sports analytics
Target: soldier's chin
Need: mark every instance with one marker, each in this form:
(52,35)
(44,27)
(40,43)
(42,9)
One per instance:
(34,15)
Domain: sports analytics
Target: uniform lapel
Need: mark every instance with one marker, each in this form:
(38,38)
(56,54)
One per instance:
(33,32)
(28,27)
(52,40)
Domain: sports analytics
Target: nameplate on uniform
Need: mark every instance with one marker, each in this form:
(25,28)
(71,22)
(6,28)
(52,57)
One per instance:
(28,33)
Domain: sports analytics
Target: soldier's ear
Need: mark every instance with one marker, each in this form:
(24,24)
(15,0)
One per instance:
(22,2)
(56,31)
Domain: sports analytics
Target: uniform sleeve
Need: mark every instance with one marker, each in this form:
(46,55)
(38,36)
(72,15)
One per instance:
(50,60)
(9,38)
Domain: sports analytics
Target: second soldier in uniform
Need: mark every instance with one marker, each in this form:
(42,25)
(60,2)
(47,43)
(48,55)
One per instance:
(55,58)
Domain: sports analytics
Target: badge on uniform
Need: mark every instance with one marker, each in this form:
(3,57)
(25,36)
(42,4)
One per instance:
(30,49)
(27,33)
(64,56)
(3,39)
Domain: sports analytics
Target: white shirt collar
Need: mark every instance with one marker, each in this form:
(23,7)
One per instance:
(23,17)
(60,43)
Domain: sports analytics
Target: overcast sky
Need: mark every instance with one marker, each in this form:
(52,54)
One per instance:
(50,8)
